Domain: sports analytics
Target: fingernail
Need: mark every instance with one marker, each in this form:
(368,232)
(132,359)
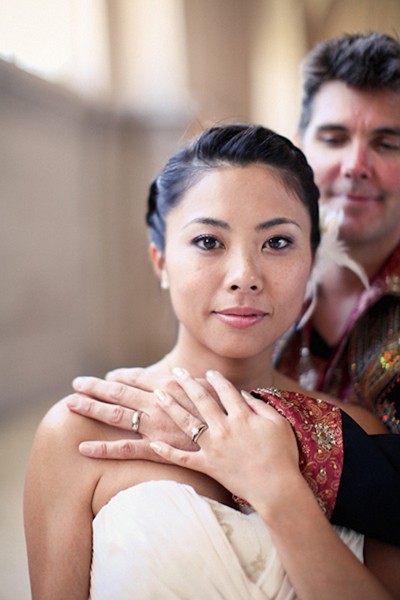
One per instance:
(73,401)
(246,395)
(156,447)
(79,383)
(179,373)
(86,449)
(161,396)
(211,374)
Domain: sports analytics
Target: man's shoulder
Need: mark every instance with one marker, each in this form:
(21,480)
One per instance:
(388,278)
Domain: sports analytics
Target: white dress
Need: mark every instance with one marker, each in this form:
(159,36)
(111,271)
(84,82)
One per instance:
(161,540)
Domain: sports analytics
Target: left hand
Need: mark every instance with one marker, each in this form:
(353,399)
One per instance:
(114,402)
(248,447)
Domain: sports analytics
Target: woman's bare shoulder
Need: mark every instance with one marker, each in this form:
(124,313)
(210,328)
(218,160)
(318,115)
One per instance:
(62,424)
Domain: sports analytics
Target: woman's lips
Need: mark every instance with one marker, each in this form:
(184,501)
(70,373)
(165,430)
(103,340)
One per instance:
(240,317)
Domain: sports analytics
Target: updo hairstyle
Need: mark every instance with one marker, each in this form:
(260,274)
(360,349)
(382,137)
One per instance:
(236,145)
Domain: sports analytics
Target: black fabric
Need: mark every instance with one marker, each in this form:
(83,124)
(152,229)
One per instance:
(318,346)
(369,494)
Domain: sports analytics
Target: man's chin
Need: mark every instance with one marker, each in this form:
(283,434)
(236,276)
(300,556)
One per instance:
(352,233)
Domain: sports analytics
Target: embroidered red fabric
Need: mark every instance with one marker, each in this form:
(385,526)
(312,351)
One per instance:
(318,429)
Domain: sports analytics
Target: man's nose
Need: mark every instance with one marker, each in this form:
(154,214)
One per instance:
(356,162)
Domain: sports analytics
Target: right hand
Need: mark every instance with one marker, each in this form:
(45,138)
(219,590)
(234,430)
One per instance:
(114,400)
(247,445)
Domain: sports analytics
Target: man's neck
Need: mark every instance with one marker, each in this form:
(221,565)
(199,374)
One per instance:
(372,257)
(338,295)
(341,288)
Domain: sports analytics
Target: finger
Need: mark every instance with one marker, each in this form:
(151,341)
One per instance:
(263,408)
(114,393)
(110,402)
(173,388)
(119,449)
(198,394)
(129,376)
(108,391)
(189,424)
(112,414)
(189,460)
(229,396)
(144,379)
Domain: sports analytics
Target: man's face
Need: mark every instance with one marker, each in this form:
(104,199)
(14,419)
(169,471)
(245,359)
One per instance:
(353,145)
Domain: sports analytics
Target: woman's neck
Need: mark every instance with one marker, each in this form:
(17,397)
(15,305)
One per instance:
(246,373)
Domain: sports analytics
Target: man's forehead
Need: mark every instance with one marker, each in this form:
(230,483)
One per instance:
(336,103)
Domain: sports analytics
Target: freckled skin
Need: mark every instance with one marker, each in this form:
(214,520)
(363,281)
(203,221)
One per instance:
(241,270)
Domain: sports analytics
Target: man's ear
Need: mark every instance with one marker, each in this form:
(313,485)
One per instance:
(157,259)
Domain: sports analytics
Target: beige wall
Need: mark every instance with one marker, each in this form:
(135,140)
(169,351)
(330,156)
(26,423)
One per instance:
(77,292)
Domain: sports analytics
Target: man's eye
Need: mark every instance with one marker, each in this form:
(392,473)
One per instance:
(207,242)
(390,143)
(278,243)
(331,139)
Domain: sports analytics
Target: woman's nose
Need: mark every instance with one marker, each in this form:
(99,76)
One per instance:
(253,287)
(244,275)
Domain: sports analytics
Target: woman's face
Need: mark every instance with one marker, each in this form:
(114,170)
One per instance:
(237,258)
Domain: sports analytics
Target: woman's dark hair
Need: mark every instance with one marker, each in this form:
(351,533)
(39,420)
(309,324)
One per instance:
(230,145)
(364,61)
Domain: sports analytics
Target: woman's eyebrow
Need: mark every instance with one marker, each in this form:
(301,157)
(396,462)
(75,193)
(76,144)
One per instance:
(277,221)
(208,221)
(224,225)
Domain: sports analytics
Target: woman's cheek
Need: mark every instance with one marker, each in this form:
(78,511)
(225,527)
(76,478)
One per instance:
(292,285)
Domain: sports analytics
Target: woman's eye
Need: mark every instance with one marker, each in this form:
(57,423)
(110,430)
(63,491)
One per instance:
(207,242)
(278,243)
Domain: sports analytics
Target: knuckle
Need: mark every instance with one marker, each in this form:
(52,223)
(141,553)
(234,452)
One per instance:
(126,450)
(201,395)
(103,450)
(117,391)
(225,386)
(187,420)
(169,401)
(117,415)
(184,460)
(222,431)
(172,387)
(87,406)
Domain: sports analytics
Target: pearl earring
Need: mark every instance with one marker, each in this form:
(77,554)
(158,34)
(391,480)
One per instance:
(164,284)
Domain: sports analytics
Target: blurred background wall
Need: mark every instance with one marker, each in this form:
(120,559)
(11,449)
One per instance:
(94,96)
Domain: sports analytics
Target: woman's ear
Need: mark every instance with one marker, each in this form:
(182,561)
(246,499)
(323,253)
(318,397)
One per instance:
(158,262)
